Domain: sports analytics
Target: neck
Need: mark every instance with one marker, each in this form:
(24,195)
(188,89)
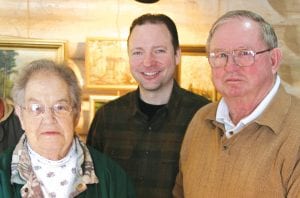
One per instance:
(157,97)
(52,154)
(240,107)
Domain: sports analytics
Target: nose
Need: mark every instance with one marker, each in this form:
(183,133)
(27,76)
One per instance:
(231,64)
(48,114)
(148,59)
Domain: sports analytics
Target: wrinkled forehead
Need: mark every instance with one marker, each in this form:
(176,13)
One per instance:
(46,85)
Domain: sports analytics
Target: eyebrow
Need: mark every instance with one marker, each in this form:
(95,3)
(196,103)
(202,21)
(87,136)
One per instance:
(36,100)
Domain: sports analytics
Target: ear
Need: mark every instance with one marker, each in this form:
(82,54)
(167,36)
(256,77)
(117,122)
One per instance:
(178,55)
(18,112)
(276,57)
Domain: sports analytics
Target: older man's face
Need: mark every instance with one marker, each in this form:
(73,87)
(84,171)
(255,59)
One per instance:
(233,81)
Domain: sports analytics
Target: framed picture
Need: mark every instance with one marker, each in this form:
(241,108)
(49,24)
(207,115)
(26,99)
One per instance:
(16,53)
(107,64)
(194,72)
(96,101)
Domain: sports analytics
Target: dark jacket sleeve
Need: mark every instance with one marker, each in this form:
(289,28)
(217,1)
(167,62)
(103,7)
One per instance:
(10,132)
(95,132)
(6,189)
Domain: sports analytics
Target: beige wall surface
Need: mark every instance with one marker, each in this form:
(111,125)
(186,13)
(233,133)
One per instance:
(74,21)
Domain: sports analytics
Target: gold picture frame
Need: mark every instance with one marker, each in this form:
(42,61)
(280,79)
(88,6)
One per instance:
(194,72)
(107,64)
(17,52)
(96,101)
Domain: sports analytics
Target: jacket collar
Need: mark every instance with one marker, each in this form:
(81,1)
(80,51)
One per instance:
(173,101)
(278,106)
(22,172)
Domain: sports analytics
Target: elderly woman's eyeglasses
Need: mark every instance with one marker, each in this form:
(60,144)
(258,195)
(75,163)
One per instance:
(58,109)
(241,57)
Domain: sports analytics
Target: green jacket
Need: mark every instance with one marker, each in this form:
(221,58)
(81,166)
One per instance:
(113,181)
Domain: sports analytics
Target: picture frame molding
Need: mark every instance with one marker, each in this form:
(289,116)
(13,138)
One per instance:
(58,45)
(98,98)
(55,48)
(196,51)
(90,57)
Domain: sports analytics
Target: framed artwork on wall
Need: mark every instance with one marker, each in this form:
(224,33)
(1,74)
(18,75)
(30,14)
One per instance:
(194,72)
(16,53)
(96,101)
(107,65)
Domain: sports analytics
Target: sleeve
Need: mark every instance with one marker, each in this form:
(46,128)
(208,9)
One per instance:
(6,189)
(121,185)
(95,133)
(293,189)
(114,181)
(178,189)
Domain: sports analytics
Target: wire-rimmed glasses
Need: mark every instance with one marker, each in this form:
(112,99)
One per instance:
(241,57)
(59,109)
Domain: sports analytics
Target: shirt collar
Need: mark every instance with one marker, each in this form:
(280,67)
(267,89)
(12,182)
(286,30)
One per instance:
(173,101)
(21,166)
(223,117)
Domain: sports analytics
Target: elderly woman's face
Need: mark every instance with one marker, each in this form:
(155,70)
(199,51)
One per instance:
(47,115)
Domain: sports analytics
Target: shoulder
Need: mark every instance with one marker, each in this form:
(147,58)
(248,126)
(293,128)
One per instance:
(295,101)
(125,99)
(204,115)
(121,104)
(189,96)
(6,157)
(5,162)
(211,107)
(187,100)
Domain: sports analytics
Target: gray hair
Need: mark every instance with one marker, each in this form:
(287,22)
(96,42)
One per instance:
(267,32)
(43,65)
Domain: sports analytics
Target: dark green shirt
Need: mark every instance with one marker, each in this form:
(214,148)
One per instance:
(148,150)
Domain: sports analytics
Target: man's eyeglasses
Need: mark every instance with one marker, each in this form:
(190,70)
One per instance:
(59,109)
(241,57)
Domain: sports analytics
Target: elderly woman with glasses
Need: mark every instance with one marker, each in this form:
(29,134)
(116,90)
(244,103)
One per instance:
(50,160)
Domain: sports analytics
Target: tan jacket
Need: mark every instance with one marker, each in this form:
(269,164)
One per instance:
(262,160)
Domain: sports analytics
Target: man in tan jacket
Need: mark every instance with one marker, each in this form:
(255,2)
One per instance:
(247,144)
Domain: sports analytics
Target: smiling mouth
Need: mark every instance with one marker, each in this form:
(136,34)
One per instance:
(150,73)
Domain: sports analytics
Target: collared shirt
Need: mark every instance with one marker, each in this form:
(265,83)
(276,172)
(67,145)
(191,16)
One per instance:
(223,117)
(148,150)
